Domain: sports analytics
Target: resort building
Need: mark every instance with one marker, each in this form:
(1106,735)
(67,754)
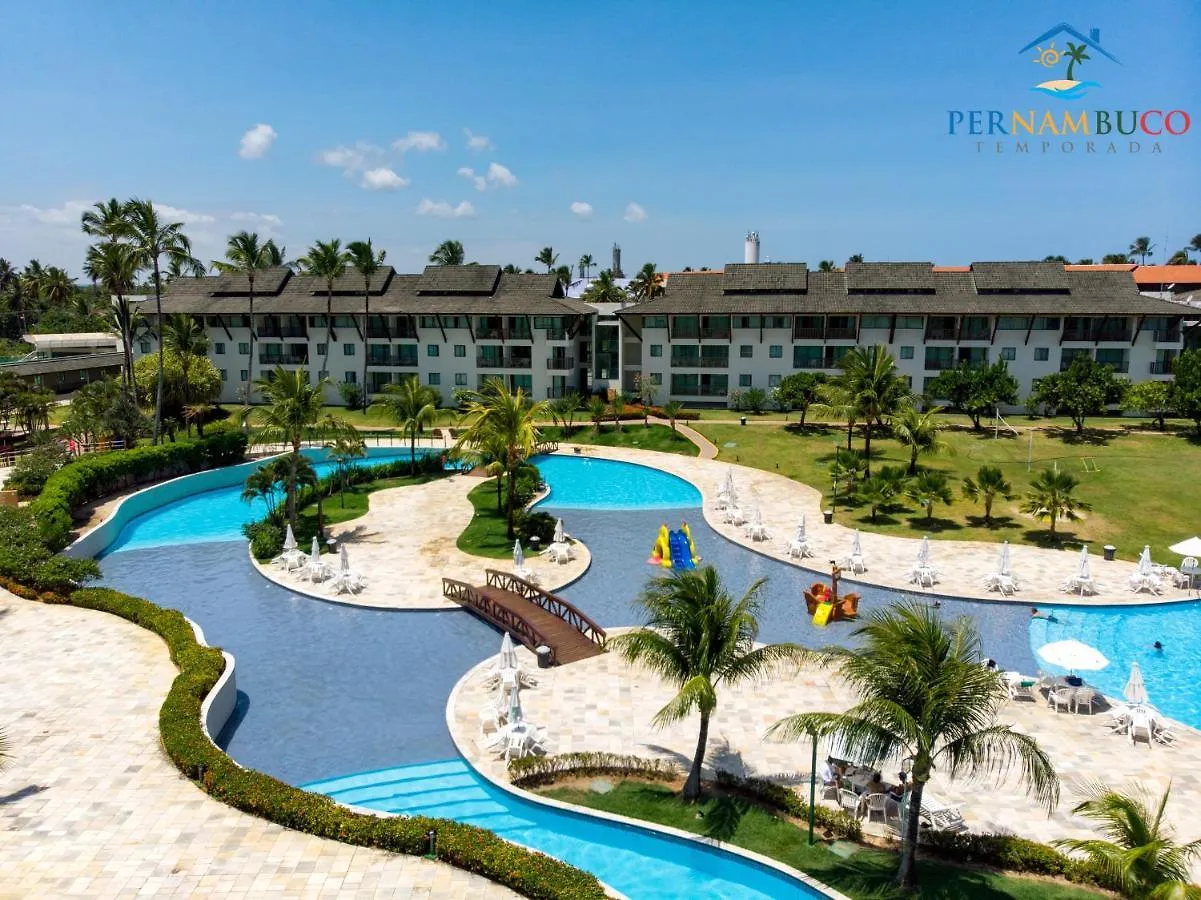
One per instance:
(708,335)
(64,363)
(451,326)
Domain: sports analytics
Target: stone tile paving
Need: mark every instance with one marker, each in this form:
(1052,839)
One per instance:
(602,704)
(405,544)
(90,805)
(963,564)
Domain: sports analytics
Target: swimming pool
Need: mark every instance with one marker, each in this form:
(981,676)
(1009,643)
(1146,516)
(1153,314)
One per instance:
(583,483)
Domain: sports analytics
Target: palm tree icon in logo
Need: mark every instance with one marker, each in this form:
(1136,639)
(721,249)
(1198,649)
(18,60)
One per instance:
(1049,56)
(1076,56)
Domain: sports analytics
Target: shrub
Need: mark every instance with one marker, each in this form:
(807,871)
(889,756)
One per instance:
(531,771)
(352,394)
(529,483)
(535,524)
(755,400)
(684,415)
(34,469)
(266,539)
(838,822)
(1013,854)
(25,557)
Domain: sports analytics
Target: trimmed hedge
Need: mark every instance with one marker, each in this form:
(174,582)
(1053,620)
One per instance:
(838,822)
(1013,854)
(96,475)
(531,771)
(463,846)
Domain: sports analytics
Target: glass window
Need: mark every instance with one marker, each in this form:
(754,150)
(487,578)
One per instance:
(909,321)
(344,321)
(347,349)
(431,349)
(1046,323)
(776,351)
(776,322)
(746,351)
(875,321)
(243,375)
(744,380)
(1009,354)
(657,379)
(322,349)
(224,375)
(435,378)
(906,353)
(316,321)
(460,350)
(350,377)
(144,346)
(1042,354)
(243,348)
(460,379)
(219,348)
(773,381)
(656,349)
(1012,323)
(654,322)
(748,321)
(429,321)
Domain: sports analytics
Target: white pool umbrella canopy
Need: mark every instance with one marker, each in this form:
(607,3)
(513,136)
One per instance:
(518,555)
(1003,560)
(1135,691)
(289,539)
(560,534)
(1190,547)
(856,547)
(1073,655)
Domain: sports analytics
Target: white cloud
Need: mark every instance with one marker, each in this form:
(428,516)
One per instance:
(419,140)
(476,142)
(634,213)
(582,209)
(499,176)
(443,210)
(67,214)
(479,181)
(186,216)
(253,218)
(383,179)
(257,141)
(350,159)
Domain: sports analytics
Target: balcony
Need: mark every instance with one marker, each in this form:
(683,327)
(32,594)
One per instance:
(700,362)
(703,390)
(285,359)
(807,334)
(975,334)
(555,334)
(847,333)
(940,334)
(555,393)
(1163,367)
(1171,336)
(396,360)
(722,333)
(812,363)
(560,363)
(503,361)
(940,365)
(1119,368)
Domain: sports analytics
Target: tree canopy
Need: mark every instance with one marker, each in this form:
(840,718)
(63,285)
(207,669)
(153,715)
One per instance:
(976,390)
(1084,389)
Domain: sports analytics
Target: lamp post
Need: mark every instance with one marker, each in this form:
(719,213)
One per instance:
(812,785)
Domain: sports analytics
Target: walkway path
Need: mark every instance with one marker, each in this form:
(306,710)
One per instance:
(962,563)
(602,704)
(708,450)
(90,805)
(405,544)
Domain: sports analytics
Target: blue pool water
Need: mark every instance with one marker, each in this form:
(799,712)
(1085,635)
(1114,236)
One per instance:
(581,483)
(219,515)
(638,862)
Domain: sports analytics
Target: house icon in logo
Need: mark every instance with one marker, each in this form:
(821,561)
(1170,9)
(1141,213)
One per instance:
(1074,54)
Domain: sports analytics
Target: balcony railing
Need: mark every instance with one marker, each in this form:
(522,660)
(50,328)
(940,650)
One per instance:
(722,333)
(939,365)
(811,362)
(503,362)
(286,359)
(1171,336)
(554,393)
(396,360)
(976,334)
(700,362)
(1120,368)
(555,334)
(395,334)
(1162,368)
(840,334)
(940,334)
(807,334)
(703,390)
(560,363)
(680,333)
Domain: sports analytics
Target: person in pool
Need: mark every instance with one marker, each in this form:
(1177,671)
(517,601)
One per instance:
(1035,614)
(1158,646)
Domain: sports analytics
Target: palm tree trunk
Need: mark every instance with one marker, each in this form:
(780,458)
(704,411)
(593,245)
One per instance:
(511,498)
(250,356)
(987,510)
(413,451)
(158,394)
(292,463)
(320,517)
(329,327)
(692,787)
(907,873)
(867,448)
(913,460)
(366,335)
(499,502)
(850,431)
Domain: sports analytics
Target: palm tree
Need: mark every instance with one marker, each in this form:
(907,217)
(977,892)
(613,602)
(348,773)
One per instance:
(367,263)
(920,432)
(58,287)
(548,257)
(586,264)
(506,421)
(929,488)
(1076,56)
(276,255)
(291,407)
(1180,258)
(618,408)
(563,410)
(872,388)
(1050,497)
(448,253)
(924,697)
(988,484)
(827,265)
(597,410)
(344,446)
(1113,258)
(1195,244)
(1139,852)
(325,260)
(856,258)
(261,483)
(104,220)
(114,267)
(698,637)
(187,338)
(245,255)
(1141,247)
(882,488)
(647,284)
(153,238)
(563,274)
(846,469)
(672,410)
(412,406)
(605,290)
(306,476)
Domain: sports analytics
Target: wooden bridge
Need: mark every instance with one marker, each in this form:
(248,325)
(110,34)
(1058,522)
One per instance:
(531,615)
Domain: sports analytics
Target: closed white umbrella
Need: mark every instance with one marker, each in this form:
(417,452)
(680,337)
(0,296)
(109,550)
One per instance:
(518,556)
(289,539)
(508,655)
(1135,690)
(1073,655)
(728,487)
(1144,562)
(1003,560)
(800,531)
(923,552)
(1085,573)
(1190,547)
(856,549)
(315,552)
(344,560)
(560,534)
(514,705)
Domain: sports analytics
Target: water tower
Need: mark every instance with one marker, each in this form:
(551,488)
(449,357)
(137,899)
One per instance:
(616,267)
(751,253)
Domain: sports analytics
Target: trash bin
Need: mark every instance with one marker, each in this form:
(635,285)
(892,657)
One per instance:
(742,420)
(543,653)
(1110,550)
(828,516)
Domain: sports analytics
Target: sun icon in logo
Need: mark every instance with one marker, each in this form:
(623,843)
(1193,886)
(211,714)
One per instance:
(1048,58)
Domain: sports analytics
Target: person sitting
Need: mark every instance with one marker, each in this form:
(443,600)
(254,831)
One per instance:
(830,772)
(875,785)
(897,791)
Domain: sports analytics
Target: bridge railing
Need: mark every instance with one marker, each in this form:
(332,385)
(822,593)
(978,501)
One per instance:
(502,616)
(556,606)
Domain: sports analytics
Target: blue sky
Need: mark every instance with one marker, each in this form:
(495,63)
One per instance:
(823,127)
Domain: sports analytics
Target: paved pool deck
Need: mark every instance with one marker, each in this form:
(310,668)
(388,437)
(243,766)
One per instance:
(604,704)
(90,805)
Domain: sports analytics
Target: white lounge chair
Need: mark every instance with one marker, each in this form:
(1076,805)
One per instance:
(1141,723)
(855,563)
(1060,697)
(315,570)
(799,549)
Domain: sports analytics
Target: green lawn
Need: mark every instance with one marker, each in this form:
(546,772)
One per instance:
(632,434)
(865,874)
(486,534)
(1144,491)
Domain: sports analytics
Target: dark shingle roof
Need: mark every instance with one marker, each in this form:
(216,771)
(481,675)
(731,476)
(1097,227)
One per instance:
(459,280)
(786,278)
(268,281)
(880,277)
(1019,276)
